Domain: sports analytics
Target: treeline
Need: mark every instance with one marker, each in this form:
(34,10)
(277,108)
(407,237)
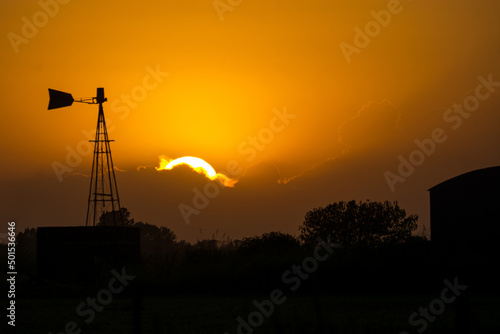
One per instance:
(344,246)
(259,263)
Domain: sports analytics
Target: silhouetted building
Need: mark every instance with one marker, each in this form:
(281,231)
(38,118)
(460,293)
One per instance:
(465,222)
(86,252)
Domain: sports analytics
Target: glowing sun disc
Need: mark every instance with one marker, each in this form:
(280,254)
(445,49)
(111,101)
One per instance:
(194,163)
(198,165)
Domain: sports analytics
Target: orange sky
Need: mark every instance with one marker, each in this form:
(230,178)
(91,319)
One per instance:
(220,82)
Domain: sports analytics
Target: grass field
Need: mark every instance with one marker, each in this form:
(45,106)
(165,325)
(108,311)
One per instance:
(300,313)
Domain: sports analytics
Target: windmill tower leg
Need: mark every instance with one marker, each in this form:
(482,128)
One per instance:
(103,193)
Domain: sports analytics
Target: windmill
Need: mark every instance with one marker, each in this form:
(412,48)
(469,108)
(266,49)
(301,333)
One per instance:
(103,192)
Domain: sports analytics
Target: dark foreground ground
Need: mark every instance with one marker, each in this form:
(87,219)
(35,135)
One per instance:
(300,313)
(213,288)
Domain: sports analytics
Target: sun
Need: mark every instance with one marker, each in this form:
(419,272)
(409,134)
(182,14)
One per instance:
(195,163)
(199,165)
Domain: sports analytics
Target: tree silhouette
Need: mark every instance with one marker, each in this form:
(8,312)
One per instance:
(154,240)
(353,224)
(121,218)
(270,242)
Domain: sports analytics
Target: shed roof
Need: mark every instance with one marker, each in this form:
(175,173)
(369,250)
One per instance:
(477,179)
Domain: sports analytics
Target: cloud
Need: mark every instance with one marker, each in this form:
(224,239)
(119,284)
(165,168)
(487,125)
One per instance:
(374,124)
(198,165)
(260,174)
(246,209)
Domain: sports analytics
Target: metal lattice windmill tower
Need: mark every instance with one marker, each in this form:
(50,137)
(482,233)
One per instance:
(103,192)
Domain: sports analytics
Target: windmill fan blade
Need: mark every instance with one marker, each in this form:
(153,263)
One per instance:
(59,99)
